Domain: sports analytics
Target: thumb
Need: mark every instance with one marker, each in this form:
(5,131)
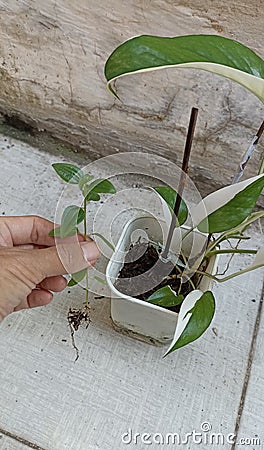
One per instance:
(64,258)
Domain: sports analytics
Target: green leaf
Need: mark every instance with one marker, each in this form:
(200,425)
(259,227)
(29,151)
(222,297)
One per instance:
(55,232)
(100,186)
(68,172)
(92,196)
(238,230)
(71,217)
(195,316)
(77,277)
(104,240)
(212,53)
(72,282)
(165,296)
(169,195)
(236,210)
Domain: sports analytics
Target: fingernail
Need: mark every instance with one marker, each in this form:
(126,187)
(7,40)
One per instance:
(90,251)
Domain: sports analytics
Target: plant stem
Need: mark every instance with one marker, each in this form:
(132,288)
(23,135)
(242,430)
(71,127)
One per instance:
(241,272)
(208,275)
(85,222)
(187,233)
(216,242)
(192,283)
(233,250)
(85,238)
(229,277)
(261,168)
(185,167)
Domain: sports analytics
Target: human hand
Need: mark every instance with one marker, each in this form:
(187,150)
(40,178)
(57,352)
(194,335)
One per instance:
(31,265)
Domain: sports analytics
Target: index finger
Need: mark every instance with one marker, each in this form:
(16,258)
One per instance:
(23,230)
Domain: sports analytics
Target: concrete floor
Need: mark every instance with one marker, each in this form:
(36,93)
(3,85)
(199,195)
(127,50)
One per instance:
(48,401)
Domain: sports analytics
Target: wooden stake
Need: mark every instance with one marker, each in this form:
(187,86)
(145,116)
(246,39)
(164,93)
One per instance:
(185,168)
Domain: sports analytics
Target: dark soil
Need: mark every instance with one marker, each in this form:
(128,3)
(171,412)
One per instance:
(143,273)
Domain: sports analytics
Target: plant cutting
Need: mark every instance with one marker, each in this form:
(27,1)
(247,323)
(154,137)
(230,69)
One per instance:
(182,296)
(73,218)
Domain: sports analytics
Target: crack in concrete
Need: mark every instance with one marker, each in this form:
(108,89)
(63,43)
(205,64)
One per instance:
(21,440)
(227,121)
(248,370)
(159,116)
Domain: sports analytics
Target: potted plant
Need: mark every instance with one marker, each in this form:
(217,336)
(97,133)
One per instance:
(188,255)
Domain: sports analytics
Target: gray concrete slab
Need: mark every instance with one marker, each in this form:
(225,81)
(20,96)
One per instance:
(118,384)
(7,443)
(252,418)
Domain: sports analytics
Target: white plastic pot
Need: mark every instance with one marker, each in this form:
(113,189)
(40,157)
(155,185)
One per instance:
(135,317)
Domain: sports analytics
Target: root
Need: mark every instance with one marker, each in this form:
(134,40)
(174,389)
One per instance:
(77,317)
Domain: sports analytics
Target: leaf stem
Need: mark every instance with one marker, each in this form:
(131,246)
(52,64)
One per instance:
(261,168)
(229,277)
(233,250)
(85,221)
(208,275)
(187,233)
(86,303)
(241,272)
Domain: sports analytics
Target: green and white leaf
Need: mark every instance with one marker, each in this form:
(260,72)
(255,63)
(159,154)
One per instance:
(68,172)
(228,207)
(100,186)
(168,195)
(77,277)
(258,261)
(166,297)
(195,316)
(211,53)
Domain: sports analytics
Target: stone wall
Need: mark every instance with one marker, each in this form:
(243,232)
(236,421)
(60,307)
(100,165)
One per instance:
(52,56)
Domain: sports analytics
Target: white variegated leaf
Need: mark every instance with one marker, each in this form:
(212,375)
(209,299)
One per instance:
(218,199)
(184,315)
(259,260)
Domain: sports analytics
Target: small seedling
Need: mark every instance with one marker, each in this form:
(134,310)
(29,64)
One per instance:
(72,218)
